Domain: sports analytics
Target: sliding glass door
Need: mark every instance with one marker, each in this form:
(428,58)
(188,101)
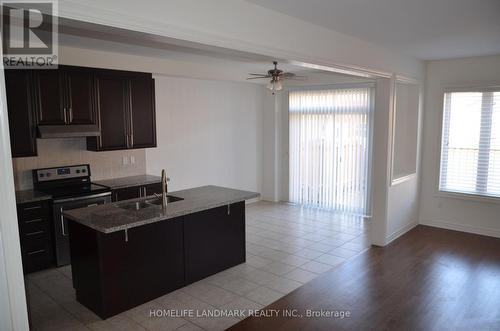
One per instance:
(330,138)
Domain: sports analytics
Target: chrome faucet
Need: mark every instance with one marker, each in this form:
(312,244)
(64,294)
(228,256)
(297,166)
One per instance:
(164,189)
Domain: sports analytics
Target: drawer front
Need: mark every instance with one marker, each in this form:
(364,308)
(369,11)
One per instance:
(30,225)
(33,210)
(35,232)
(37,259)
(35,240)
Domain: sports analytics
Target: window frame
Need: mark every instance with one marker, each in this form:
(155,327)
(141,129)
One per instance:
(451,194)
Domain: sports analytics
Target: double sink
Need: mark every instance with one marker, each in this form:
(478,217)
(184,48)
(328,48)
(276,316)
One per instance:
(138,205)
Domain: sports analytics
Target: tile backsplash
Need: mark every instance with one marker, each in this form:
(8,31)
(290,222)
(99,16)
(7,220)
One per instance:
(61,152)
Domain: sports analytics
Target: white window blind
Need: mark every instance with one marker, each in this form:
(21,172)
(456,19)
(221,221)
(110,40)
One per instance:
(470,151)
(330,136)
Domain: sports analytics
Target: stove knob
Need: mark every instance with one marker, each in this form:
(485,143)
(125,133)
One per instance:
(77,171)
(48,174)
(84,170)
(41,175)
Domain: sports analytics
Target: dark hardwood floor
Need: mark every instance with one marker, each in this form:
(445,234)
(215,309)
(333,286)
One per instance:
(429,279)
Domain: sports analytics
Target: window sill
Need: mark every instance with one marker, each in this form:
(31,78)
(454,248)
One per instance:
(468,197)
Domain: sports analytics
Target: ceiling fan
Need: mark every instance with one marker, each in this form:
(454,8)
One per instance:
(276,77)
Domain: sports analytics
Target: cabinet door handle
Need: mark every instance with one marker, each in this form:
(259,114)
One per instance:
(65,114)
(32,208)
(131,140)
(145,193)
(33,233)
(36,252)
(70,114)
(62,223)
(140,192)
(36,220)
(228,209)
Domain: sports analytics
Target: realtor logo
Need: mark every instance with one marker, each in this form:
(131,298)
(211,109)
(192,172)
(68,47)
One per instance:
(29,34)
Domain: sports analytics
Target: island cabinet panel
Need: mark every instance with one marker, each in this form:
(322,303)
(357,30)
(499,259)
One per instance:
(115,272)
(214,240)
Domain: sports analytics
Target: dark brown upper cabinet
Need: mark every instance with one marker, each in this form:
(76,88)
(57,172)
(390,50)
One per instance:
(111,108)
(21,109)
(80,95)
(65,96)
(142,109)
(125,110)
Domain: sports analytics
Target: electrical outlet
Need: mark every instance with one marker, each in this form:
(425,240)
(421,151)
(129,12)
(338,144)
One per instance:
(125,160)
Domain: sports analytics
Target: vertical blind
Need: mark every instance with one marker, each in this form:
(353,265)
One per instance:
(330,137)
(470,151)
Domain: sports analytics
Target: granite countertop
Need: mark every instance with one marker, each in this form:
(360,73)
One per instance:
(26,196)
(110,218)
(129,181)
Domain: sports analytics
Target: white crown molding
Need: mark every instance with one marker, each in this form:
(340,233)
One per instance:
(73,10)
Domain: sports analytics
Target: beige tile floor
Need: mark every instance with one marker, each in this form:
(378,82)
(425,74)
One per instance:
(287,246)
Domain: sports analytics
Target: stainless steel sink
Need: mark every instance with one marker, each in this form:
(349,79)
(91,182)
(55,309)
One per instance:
(138,205)
(170,198)
(134,205)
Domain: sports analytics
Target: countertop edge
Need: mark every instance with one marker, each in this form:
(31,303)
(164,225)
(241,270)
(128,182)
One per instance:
(250,195)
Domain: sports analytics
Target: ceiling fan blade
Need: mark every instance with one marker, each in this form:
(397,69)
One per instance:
(251,74)
(264,77)
(297,78)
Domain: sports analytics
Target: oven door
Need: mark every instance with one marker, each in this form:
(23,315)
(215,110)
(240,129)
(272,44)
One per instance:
(60,224)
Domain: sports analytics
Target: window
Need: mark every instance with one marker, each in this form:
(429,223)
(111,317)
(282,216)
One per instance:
(330,136)
(470,151)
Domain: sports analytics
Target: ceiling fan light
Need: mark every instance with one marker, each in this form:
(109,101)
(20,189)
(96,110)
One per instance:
(275,85)
(278,85)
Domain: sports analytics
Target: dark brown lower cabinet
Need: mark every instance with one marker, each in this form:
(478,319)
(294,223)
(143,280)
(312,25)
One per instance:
(214,240)
(115,272)
(35,232)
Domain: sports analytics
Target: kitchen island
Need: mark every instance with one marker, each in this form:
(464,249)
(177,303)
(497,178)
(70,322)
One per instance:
(127,253)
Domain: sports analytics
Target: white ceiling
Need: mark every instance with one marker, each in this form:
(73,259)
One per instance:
(425,29)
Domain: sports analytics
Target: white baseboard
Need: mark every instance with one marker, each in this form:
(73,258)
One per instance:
(254,200)
(398,233)
(462,227)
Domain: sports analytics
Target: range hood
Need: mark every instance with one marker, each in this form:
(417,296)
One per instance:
(67,131)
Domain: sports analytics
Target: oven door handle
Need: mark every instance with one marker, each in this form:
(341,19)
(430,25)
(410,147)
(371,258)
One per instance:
(62,223)
(86,197)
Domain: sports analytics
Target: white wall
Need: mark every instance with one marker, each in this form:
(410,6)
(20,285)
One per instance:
(448,212)
(209,132)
